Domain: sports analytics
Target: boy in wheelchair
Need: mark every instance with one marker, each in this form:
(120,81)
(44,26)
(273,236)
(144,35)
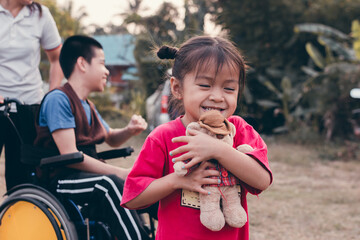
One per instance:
(69,122)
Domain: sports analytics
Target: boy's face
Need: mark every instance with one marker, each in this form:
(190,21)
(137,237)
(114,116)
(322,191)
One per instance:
(97,73)
(25,2)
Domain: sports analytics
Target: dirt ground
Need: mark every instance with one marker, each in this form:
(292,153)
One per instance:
(310,198)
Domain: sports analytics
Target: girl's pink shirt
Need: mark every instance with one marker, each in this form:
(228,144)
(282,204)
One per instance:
(175,221)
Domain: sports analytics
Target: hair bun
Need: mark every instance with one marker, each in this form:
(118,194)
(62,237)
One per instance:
(166,52)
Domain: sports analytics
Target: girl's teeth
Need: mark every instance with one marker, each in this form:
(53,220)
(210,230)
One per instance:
(208,109)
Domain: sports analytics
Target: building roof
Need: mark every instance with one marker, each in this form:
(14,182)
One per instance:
(118,49)
(130,74)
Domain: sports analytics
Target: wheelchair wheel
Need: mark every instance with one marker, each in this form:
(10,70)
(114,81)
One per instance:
(31,212)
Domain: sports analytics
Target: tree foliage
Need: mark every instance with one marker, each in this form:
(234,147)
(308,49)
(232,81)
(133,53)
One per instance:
(67,25)
(355,30)
(264,32)
(335,73)
(159,29)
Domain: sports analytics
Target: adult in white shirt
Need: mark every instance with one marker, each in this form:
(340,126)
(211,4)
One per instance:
(26,27)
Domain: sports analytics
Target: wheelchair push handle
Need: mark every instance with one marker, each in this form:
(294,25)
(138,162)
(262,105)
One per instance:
(7,103)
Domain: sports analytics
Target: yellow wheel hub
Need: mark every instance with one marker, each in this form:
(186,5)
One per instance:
(24,220)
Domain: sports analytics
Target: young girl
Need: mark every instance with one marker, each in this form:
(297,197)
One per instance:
(208,73)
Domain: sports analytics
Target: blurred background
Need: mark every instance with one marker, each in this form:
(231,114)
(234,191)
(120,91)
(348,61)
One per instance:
(303,55)
(304,58)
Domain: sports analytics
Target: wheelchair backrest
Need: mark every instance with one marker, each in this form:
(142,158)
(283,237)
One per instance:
(26,127)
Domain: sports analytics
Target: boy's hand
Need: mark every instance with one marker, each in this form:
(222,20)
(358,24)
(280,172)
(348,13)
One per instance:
(1,99)
(123,173)
(137,124)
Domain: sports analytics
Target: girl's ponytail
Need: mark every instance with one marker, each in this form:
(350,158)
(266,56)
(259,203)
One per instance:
(166,52)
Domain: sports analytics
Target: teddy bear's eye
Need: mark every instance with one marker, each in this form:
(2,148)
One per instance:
(219,136)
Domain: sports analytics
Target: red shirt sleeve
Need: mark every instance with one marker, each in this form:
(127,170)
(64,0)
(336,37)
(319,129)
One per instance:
(145,170)
(246,134)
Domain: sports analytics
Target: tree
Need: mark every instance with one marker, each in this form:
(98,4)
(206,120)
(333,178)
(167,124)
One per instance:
(66,24)
(333,75)
(160,29)
(263,30)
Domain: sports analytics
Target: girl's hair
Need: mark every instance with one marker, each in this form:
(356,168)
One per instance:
(35,5)
(200,53)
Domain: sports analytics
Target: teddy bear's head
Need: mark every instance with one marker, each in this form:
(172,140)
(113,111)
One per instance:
(215,125)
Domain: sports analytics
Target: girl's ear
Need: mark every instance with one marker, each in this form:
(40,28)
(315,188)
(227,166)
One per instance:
(176,88)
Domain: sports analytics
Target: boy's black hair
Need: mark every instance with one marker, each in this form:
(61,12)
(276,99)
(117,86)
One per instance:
(74,47)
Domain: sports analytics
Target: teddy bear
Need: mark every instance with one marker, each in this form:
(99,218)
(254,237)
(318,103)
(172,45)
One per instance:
(212,214)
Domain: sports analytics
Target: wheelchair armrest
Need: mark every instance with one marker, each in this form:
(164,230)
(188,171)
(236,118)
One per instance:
(121,152)
(62,160)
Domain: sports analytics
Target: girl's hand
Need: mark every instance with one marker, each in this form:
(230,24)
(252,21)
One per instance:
(199,177)
(200,147)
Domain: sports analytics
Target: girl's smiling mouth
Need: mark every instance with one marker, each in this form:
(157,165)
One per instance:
(212,108)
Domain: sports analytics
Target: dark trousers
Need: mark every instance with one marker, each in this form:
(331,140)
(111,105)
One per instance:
(103,193)
(24,121)
(15,172)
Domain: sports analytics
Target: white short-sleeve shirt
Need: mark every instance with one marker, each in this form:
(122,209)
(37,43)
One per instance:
(20,41)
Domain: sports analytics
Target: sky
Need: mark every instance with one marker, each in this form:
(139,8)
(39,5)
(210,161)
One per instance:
(101,12)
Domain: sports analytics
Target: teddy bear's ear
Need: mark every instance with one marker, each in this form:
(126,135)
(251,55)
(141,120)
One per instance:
(193,125)
(232,130)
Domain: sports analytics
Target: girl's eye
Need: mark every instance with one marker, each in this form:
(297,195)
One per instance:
(230,89)
(204,85)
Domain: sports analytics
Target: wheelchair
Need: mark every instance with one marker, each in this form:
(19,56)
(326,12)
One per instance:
(30,211)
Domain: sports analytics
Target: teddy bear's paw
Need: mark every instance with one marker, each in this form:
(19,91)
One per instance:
(179,170)
(213,220)
(235,216)
(244,148)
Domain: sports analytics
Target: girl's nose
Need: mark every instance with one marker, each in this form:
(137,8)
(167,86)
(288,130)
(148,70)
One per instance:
(216,96)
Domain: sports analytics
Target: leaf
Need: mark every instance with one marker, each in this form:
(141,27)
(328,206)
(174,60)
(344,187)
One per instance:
(320,29)
(267,103)
(355,29)
(340,49)
(315,55)
(309,71)
(266,82)
(355,33)
(286,83)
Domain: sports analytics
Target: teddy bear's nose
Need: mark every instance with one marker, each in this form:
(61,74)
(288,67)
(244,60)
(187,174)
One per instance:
(219,136)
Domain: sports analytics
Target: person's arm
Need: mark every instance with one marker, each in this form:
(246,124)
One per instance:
(162,187)
(201,147)
(66,143)
(116,137)
(55,73)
